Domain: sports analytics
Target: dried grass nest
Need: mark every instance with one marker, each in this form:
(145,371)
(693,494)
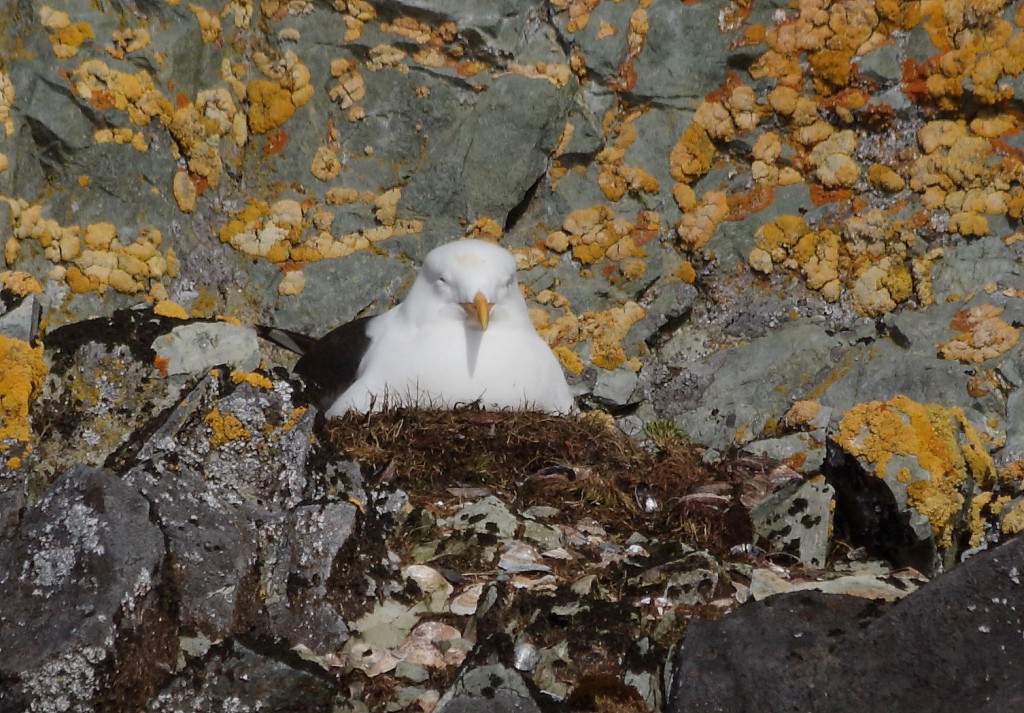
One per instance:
(582,465)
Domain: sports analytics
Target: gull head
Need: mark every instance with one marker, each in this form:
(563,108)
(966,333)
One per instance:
(473,279)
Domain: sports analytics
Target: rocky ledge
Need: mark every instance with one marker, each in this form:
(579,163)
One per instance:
(775,245)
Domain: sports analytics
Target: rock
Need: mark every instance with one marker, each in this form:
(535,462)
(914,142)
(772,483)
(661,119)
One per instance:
(252,677)
(839,650)
(82,586)
(615,387)
(296,591)
(797,520)
(198,347)
(905,476)
(22,321)
(494,689)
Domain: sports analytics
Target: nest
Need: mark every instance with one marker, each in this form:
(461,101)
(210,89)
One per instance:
(582,465)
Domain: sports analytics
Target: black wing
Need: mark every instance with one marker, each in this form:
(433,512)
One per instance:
(331,364)
(328,365)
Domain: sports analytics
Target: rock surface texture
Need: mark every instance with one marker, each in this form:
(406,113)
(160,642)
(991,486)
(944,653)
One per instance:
(775,245)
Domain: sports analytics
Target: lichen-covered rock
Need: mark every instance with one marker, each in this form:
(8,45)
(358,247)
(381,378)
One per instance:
(907,474)
(83,588)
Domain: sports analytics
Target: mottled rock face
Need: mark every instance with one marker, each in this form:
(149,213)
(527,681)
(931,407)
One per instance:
(779,243)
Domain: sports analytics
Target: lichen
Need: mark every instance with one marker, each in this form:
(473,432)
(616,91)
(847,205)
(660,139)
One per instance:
(21,373)
(981,334)
(946,447)
(225,427)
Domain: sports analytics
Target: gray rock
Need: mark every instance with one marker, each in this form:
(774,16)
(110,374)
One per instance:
(80,585)
(729,396)
(214,545)
(797,520)
(680,58)
(488,689)
(615,387)
(533,114)
(296,587)
(22,322)
(198,347)
(248,678)
(839,650)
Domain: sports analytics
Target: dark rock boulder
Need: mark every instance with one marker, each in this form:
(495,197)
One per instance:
(954,645)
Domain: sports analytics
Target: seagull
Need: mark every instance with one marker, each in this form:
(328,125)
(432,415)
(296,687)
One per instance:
(462,335)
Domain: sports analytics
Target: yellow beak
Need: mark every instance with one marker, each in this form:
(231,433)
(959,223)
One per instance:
(479,308)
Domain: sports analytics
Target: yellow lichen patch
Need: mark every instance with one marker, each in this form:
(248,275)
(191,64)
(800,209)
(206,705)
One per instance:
(569,360)
(168,308)
(292,284)
(121,135)
(801,413)
(6,100)
(595,233)
(981,334)
(273,100)
(696,227)
(270,105)
(692,154)
(209,24)
(833,161)
(224,428)
(554,72)
(21,372)
(350,88)
(485,228)
(615,177)
(252,378)
(184,191)
(20,283)
(93,258)
(65,35)
(946,447)
(968,224)
(128,40)
(1011,519)
(882,177)
(606,330)
(134,94)
(325,164)
(386,205)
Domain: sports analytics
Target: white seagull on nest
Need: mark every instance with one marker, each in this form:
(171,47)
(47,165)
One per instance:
(462,335)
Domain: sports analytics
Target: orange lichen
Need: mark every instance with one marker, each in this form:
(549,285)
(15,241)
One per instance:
(168,308)
(252,378)
(695,228)
(607,329)
(981,334)
(692,154)
(224,428)
(21,373)
(20,283)
(946,447)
